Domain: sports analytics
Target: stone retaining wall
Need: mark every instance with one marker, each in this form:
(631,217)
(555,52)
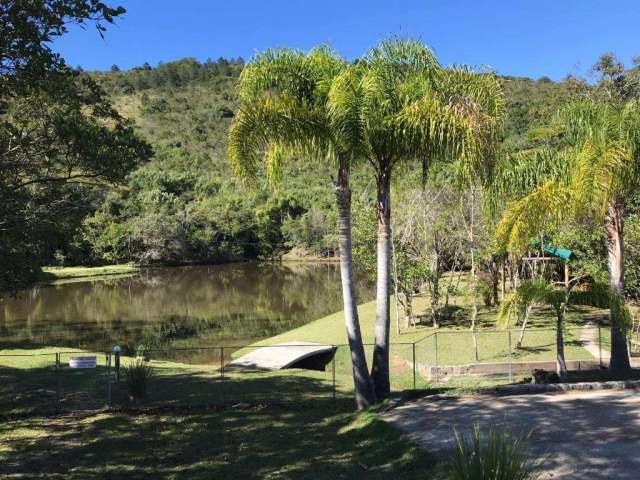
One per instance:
(430,372)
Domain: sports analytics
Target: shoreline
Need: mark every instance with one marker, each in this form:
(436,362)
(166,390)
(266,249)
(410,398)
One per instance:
(52,274)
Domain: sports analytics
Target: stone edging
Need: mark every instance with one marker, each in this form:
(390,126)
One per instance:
(529,388)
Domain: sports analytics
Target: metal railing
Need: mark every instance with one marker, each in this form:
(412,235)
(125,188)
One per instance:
(207,375)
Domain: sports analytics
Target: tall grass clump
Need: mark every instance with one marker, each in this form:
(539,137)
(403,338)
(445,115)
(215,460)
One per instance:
(499,456)
(136,378)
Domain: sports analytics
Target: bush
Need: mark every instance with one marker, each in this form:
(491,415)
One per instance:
(499,456)
(136,378)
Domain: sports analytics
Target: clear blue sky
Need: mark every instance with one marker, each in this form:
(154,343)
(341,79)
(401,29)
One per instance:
(516,37)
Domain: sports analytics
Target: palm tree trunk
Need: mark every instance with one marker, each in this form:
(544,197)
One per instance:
(474,279)
(396,290)
(615,249)
(380,369)
(364,392)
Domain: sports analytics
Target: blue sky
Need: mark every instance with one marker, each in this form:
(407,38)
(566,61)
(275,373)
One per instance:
(516,37)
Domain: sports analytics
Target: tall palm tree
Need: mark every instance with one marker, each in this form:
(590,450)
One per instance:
(399,104)
(587,166)
(284,112)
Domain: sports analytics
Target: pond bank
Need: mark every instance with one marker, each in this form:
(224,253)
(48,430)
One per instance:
(59,273)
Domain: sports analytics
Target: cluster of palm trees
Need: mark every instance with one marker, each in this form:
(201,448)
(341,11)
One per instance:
(585,168)
(398,104)
(395,104)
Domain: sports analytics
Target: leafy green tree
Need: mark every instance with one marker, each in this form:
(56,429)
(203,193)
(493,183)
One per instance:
(58,128)
(399,104)
(286,111)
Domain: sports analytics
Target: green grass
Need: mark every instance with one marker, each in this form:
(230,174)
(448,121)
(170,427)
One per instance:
(58,273)
(295,431)
(287,426)
(32,385)
(178,383)
(455,342)
(319,443)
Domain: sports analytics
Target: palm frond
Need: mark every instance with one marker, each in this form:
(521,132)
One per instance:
(283,95)
(601,172)
(271,124)
(524,219)
(530,292)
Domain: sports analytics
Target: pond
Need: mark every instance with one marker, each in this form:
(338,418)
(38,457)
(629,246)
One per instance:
(175,308)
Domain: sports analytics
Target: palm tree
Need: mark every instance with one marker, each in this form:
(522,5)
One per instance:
(399,104)
(518,304)
(284,112)
(587,166)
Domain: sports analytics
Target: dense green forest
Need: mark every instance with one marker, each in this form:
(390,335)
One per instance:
(184,204)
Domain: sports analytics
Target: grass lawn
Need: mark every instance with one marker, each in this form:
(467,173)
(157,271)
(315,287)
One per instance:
(58,273)
(34,386)
(454,340)
(323,442)
(37,384)
(291,424)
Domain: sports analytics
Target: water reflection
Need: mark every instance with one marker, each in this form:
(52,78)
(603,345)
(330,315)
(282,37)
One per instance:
(178,307)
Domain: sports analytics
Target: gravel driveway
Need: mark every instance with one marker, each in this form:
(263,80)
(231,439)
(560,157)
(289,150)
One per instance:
(587,435)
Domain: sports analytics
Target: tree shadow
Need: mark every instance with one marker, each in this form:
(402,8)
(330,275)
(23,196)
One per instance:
(39,388)
(312,439)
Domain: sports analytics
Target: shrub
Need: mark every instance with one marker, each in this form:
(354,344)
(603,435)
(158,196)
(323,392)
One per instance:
(485,290)
(499,456)
(136,377)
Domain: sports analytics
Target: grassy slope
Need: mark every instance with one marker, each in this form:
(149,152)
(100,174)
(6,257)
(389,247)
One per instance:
(454,339)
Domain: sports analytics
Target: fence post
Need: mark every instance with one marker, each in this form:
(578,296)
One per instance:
(600,345)
(108,361)
(58,380)
(333,375)
(414,365)
(436,347)
(221,375)
(510,359)
(117,363)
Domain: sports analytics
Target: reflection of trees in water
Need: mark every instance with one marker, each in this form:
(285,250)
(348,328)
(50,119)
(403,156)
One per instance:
(229,302)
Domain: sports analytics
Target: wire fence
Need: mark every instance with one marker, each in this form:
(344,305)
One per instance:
(70,380)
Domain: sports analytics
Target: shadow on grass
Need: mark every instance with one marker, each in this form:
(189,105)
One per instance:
(308,440)
(43,390)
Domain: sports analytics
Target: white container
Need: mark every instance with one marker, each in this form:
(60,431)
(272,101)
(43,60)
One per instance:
(83,362)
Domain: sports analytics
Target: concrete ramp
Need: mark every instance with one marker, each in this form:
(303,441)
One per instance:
(296,354)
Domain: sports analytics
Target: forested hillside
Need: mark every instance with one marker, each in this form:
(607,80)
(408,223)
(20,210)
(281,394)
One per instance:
(184,205)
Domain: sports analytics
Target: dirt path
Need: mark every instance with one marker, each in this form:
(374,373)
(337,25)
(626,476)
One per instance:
(594,435)
(590,342)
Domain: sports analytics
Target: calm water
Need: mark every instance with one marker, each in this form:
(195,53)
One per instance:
(179,307)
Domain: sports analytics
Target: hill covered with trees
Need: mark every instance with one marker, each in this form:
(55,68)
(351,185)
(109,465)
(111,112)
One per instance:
(184,205)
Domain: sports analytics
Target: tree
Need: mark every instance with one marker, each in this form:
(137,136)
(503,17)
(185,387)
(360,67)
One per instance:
(470,223)
(400,105)
(540,291)
(285,111)
(58,130)
(517,306)
(588,165)
(426,242)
